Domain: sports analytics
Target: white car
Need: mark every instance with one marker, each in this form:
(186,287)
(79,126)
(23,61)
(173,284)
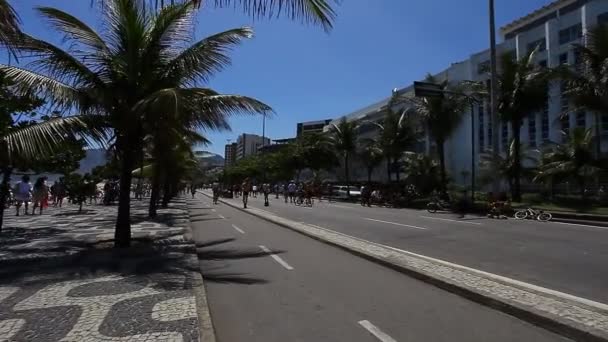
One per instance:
(340,192)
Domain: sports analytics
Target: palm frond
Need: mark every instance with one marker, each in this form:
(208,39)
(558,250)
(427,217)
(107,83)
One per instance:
(9,24)
(206,57)
(169,29)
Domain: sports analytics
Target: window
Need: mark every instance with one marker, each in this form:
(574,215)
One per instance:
(543,63)
(563,58)
(570,34)
(581,119)
(512,54)
(490,130)
(505,136)
(480,129)
(483,67)
(532,130)
(605,122)
(540,43)
(544,124)
(578,60)
(602,19)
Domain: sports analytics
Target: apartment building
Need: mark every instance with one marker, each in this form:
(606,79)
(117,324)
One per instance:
(311,127)
(230,154)
(554,28)
(248,145)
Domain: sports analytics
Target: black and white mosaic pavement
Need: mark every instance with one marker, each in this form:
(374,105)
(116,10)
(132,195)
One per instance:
(60,280)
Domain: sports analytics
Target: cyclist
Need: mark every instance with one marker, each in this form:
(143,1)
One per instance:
(285,192)
(266,191)
(366,194)
(216,191)
(299,194)
(245,188)
(308,191)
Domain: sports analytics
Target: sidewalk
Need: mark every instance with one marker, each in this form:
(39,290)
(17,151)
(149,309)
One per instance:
(61,280)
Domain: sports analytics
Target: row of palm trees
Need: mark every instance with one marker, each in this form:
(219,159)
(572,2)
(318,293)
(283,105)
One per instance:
(140,80)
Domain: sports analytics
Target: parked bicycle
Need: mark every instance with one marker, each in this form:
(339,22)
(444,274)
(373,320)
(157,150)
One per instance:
(435,205)
(532,214)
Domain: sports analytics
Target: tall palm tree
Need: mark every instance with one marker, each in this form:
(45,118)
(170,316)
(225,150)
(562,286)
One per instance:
(344,136)
(422,171)
(142,64)
(441,116)
(572,160)
(587,84)
(371,155)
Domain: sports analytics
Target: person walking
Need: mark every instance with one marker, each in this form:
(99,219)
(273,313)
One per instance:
(193,190)
(246,188)
(60,192)
(40,194)
(266,191)
(291,188)
(23,194)
(255,191)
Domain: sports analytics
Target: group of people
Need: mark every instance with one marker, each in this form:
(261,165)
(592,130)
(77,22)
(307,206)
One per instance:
(38,194)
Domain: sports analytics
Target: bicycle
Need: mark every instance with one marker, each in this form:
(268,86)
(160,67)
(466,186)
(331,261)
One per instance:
(532,214)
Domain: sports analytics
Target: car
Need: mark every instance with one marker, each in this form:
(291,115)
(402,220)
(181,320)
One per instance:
(340,192)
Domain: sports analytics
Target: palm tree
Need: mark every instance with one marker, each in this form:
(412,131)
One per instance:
(9,23)
(422,171)
(319,12)
(504,166)
(574,159)
(136,69)
(344,136)
(371,154)
(587,84)
(441,116)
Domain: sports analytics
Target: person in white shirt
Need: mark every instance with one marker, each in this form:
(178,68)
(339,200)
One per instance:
(291,189)
(23,193)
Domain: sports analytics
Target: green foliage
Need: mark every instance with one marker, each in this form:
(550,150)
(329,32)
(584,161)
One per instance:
(504,166)
(66,160)
(371,155)
(422,171)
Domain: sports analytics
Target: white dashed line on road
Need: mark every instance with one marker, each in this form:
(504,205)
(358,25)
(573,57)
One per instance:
(277,258)
(221,216)
(397,224)
(450,220)
(238,229)
(379,334)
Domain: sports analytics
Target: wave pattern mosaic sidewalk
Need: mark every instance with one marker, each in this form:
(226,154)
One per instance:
(61,280)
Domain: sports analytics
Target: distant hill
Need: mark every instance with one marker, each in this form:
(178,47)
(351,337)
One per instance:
(94,158)
(207,159)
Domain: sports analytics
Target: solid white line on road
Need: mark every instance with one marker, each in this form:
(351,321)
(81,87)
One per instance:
(379,334)
(213,210)
(277,258)
(238,229)
(579,225)
(341,206)
(221,216)
(396,224)
(442,219)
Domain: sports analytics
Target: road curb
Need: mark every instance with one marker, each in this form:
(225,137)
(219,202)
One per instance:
(206,329)
(566,315)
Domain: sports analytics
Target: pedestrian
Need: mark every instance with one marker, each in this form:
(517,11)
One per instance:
(245,188)
(255,191)
(266,190)
(23,194)
(291,189)
(40,194)
(193,190)
(277,188)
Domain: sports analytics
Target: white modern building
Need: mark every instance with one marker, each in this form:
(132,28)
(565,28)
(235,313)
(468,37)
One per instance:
(248,145)
(554,27)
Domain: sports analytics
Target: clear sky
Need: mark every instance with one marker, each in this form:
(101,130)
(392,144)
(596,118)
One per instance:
(306,74)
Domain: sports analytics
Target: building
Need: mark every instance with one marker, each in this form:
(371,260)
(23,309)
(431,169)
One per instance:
(276,146)
(248,145)
(230,154)
(311,127)
(553,28)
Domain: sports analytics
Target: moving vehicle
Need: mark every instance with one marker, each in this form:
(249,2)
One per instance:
(340,192)
(532,214)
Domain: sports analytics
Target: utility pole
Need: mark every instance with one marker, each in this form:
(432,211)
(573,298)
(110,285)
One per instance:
(493,92)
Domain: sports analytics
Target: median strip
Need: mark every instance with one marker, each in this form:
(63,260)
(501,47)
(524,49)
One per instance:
(577,318)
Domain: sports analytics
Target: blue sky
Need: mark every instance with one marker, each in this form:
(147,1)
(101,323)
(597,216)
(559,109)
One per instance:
(306,74)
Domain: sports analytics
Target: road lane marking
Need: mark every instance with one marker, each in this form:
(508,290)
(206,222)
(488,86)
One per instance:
(443,219)
(238,229)
(213,210)
(341,206)
(374,330)
(277,258)
(221,216)
(580,225)
(397,224)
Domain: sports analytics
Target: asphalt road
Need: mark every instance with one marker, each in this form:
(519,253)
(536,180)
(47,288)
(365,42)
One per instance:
(564,257)
(314,292)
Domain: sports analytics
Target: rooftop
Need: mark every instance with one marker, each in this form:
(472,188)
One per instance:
(552,6)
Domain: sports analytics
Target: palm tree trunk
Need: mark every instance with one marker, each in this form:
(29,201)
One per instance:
(122,234)
(6,177)
(388,169)
(397,171)
(168,192)
(369,175)
(346,175)
(516,189)
(441,152)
